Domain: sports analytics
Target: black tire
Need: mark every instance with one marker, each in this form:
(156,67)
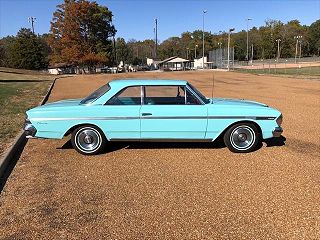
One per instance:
(242,138)
(88,140)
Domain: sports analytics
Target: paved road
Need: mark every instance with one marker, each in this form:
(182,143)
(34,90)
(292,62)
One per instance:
(174,191)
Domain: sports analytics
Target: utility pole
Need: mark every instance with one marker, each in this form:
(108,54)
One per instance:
(156,29)
(251,54)
(32,20)
(220,43)
(278,55)
(247,56)
(230,30)
(300,50)
(204,12)
(187,53)
(195,51)
(298,39)
(115,50)
(114,47)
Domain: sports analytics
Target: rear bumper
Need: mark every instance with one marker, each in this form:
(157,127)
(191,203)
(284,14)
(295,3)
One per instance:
(277,132)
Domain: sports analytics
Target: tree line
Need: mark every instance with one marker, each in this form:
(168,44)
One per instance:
(82,35)
(263,40)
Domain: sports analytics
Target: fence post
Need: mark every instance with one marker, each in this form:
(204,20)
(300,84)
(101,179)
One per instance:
(269,65)
(285,67)
(310,69)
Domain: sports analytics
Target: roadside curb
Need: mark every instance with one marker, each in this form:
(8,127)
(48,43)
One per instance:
(20,141)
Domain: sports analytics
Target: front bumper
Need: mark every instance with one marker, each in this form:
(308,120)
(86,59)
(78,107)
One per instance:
(277,132)
(29,130)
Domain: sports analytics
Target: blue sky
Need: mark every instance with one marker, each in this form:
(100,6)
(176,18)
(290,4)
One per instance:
(134,19)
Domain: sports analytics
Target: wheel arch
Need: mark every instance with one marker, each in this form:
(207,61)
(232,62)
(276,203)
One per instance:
(239,122)
(70,130)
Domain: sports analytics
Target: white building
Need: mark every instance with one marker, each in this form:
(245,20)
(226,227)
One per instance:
(153,64)
(175,64)
(61,68)
(198,63)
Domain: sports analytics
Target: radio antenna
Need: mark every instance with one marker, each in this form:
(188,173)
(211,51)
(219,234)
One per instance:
(212,84)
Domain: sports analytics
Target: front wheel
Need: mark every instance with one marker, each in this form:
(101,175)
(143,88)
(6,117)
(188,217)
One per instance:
(242,138)
(88,140)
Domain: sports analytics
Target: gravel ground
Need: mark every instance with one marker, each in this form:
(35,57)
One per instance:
(174,191)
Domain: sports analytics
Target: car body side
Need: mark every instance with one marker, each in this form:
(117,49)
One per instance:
(208,121)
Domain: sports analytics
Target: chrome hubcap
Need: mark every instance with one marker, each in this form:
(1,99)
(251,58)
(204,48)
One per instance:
(88,139)
(242,137)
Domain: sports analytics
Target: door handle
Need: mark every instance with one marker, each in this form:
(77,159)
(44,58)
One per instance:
(146,114)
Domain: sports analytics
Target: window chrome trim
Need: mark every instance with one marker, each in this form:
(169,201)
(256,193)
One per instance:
(196,95)
(141,95)
(122,89)
(144,91)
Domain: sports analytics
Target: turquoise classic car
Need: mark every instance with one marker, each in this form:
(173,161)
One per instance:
(153,110)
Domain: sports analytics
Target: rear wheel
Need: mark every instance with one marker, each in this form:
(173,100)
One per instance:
(88,140)
(242,138)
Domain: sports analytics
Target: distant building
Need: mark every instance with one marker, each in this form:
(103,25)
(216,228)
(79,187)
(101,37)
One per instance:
(175,64)
(198,63)
(61,68)
(153,64)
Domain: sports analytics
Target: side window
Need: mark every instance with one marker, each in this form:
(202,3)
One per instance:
(127,96)
(191,99)
(164,95)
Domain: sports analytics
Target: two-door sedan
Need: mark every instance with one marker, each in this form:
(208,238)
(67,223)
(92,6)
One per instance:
(153,110)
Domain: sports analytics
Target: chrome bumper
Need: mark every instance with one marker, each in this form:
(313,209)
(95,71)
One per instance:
(277,132)
(29,130)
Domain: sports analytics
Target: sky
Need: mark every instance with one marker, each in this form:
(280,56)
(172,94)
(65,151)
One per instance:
(134,19)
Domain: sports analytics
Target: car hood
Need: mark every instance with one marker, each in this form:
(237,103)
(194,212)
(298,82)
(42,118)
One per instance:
(236,102)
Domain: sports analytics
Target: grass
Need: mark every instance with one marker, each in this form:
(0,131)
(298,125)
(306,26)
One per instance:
(305,71)
(10,74)
(18,93)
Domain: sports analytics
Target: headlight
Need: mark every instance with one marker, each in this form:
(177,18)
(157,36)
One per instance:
(26,122)
(279,120)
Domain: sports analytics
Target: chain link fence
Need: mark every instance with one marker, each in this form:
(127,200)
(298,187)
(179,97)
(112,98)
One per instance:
(218,58)
(291,66)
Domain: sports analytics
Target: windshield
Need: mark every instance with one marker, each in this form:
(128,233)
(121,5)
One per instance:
(203,98)
(96,94)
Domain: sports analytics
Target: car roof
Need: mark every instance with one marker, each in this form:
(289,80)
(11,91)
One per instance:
(134,82)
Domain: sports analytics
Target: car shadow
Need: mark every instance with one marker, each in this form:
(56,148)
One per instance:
(115,146)
(179,145)
(217,144)
(276,141)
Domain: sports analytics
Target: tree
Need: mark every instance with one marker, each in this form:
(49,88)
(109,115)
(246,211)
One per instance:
(314,38)
(80,34)
(26,51)
(122,50)
(6,44)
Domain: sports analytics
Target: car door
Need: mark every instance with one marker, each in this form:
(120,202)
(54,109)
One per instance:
(122,114)
(171,112)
